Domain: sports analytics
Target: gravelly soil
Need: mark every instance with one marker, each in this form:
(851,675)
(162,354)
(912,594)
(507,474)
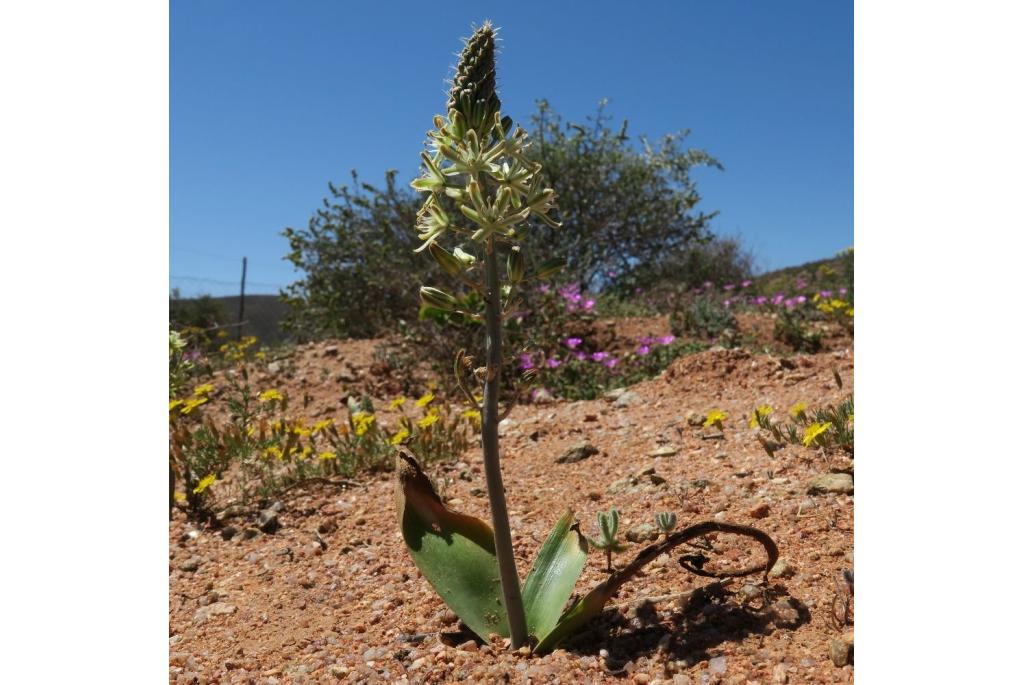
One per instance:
(333,597)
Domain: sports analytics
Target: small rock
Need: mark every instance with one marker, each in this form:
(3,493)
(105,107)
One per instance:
(274,367)
(615,394)
(783,568)
(331,351)
(228,532)
(839,483)
(577,453)
(695,419)
(542,396)
(665,451)
(786,613)
(478,492)
(779,674)
(250,533)
(628,399)
(622,485)
(267,521)
(375,654)
(717,665)
(840,651)
(759,510)
(642,533)
(215,609)
(191,564)
(750,592)
(469,646)
(505,425)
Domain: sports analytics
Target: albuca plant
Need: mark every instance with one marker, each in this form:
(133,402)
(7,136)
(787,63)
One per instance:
(481,192)
(608,543)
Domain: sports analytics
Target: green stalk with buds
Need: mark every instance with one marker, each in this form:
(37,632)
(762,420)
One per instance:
(481,191)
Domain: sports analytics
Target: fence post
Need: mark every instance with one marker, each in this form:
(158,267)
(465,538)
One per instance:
(241,300)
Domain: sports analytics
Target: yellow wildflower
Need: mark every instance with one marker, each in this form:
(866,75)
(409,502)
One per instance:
(473,415)
(825,308)
(759,414)
(361,421)
(180,497)
(813,431)
(428,420)
(400,437)
(261,355)
(849,312)
(797,409)
(204,389)
(425,400)
(222,334)
(205,483)
(398,402)
(173,404)
(275,452)
(837,304)
(328,455)
(715,418)
(270,395)
(193,403)
(322,425)
(306,451)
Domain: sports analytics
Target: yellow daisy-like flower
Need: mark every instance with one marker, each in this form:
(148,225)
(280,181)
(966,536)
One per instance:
(204,389)
(400,437)
(174,404)
(425,400)
(715,418)
(324,456)
(397,402)
(205,483)
(428,420)
(361,422)
(797,409)
(270,395)
(759,415)
(473,415)
(814,431)
(193,403)
(849,312)
(306,451)
(322,425)
(275,452)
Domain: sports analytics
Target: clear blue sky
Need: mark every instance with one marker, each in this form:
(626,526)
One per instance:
(271,100)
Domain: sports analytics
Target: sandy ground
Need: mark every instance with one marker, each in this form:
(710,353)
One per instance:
(332,596)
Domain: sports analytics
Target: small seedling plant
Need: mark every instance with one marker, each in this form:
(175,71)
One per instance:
(482,192)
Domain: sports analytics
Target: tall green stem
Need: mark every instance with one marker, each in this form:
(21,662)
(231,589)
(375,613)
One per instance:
(492,465)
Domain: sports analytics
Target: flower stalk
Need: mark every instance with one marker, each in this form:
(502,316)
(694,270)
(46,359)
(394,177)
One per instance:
(480,188)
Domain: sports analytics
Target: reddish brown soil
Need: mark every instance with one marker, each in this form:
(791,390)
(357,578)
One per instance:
(282,609)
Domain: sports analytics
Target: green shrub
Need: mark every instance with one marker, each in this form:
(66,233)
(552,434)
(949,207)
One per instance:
(703,317)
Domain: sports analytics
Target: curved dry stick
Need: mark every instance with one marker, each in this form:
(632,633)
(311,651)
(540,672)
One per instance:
(651,552)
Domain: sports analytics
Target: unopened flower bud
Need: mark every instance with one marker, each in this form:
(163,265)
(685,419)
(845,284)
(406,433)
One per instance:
(446,260)
(516,265)
(432,297)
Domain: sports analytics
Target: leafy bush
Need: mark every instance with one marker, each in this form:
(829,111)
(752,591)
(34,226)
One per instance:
(702,317)
(793,327)
(621,205)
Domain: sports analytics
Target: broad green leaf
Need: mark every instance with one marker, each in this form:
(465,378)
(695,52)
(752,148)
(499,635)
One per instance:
(453,551)
(577,616)
(553,576)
